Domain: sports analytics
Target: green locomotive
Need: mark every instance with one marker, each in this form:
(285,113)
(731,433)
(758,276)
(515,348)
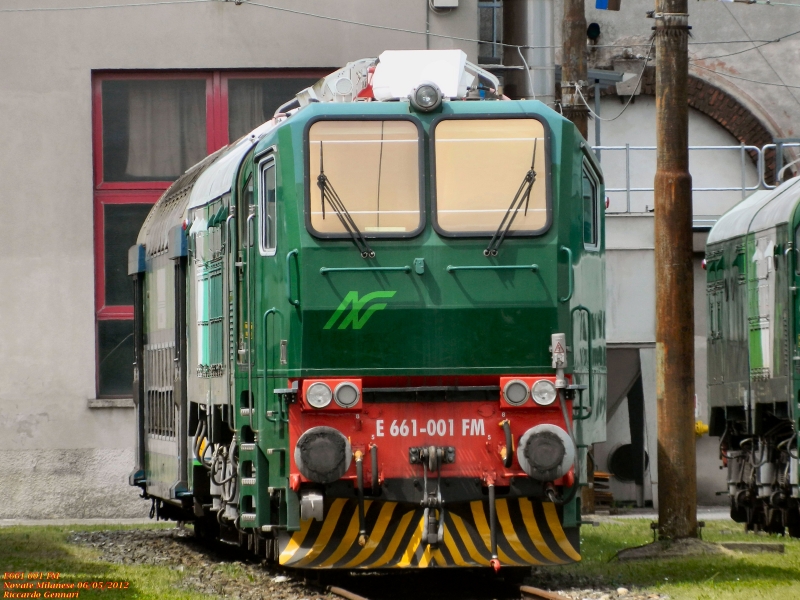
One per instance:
(370,334)
(753,272)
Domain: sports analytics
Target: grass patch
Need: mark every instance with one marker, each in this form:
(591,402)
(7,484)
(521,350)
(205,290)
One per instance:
(737,577)
(46,550)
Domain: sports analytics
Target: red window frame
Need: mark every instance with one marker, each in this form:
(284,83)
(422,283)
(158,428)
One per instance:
(148,192)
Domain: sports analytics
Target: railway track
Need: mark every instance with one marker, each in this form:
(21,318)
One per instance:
(213,566)
(526,592)
(531,593)
(343,593)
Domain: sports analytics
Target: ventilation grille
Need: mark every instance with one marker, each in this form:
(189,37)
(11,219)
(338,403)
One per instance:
(211,321)
(159,377)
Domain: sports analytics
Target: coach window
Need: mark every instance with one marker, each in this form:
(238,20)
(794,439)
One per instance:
(589,192)
(266,208)
(148,129)
(481,165)
(368,170)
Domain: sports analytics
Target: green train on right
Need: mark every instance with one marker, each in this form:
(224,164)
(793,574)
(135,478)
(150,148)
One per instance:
(753,276)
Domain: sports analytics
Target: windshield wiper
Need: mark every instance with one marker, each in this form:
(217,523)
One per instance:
(523,195)
(329,194)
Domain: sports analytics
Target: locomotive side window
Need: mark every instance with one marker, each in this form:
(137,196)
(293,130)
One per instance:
(481,167)
(266,208)
(589,192)
(367,171)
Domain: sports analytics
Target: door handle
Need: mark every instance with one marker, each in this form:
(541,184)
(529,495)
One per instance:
(292,301)
(571,279)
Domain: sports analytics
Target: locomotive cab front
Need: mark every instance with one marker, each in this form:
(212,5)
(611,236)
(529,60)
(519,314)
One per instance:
(396,352)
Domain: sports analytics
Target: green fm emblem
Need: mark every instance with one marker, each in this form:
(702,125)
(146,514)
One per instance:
(357,304)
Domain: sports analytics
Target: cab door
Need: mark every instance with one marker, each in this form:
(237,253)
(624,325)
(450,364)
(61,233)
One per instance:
(244,297)
(266,210)
(255,270)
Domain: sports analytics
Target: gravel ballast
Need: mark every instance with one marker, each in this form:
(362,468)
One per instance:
(217,571)
(226,572)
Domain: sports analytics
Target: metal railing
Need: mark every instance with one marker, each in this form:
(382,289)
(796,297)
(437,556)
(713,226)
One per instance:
(779,146)
(743,150)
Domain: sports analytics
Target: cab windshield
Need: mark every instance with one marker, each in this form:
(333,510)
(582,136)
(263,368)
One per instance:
(481,165)
(369,173)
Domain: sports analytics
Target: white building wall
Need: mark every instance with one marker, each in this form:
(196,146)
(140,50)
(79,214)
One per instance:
(59,458)
(630,263)
(52,446)
(714,26)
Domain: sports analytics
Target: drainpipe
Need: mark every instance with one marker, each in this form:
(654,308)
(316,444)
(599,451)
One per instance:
(529,23)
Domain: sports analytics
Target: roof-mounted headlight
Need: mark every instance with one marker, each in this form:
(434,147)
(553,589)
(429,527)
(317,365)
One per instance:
(425,97)
(319,395)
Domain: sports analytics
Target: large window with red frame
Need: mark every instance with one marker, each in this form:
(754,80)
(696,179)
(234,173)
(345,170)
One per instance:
(149,127)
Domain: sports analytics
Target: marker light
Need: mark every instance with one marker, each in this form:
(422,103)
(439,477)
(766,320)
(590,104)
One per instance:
(544,392)
(426,97)
(516,392)
(319,395)
(346,394)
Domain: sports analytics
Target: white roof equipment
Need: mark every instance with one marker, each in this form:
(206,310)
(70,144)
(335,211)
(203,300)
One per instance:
(395,74)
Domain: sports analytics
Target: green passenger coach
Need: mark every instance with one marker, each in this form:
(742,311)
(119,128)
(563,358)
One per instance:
(371,333)
(753,269)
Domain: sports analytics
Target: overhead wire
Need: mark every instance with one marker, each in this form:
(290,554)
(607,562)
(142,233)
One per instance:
(768,3)
(100,6)
(527,71)
(766,60)
(465,39)
(786,85)
(430,34)
(759,42)
(352,22)
(733,53)
(633,93)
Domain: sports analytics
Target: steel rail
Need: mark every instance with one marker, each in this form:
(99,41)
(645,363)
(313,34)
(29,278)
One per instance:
(531,593)
(343,593)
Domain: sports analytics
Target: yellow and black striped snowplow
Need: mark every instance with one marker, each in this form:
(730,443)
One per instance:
(529,532)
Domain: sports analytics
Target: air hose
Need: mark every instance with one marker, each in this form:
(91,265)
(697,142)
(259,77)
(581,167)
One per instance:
(550,491)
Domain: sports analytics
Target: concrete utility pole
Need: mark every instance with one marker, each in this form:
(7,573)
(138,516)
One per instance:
(677,483)
(573,64)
